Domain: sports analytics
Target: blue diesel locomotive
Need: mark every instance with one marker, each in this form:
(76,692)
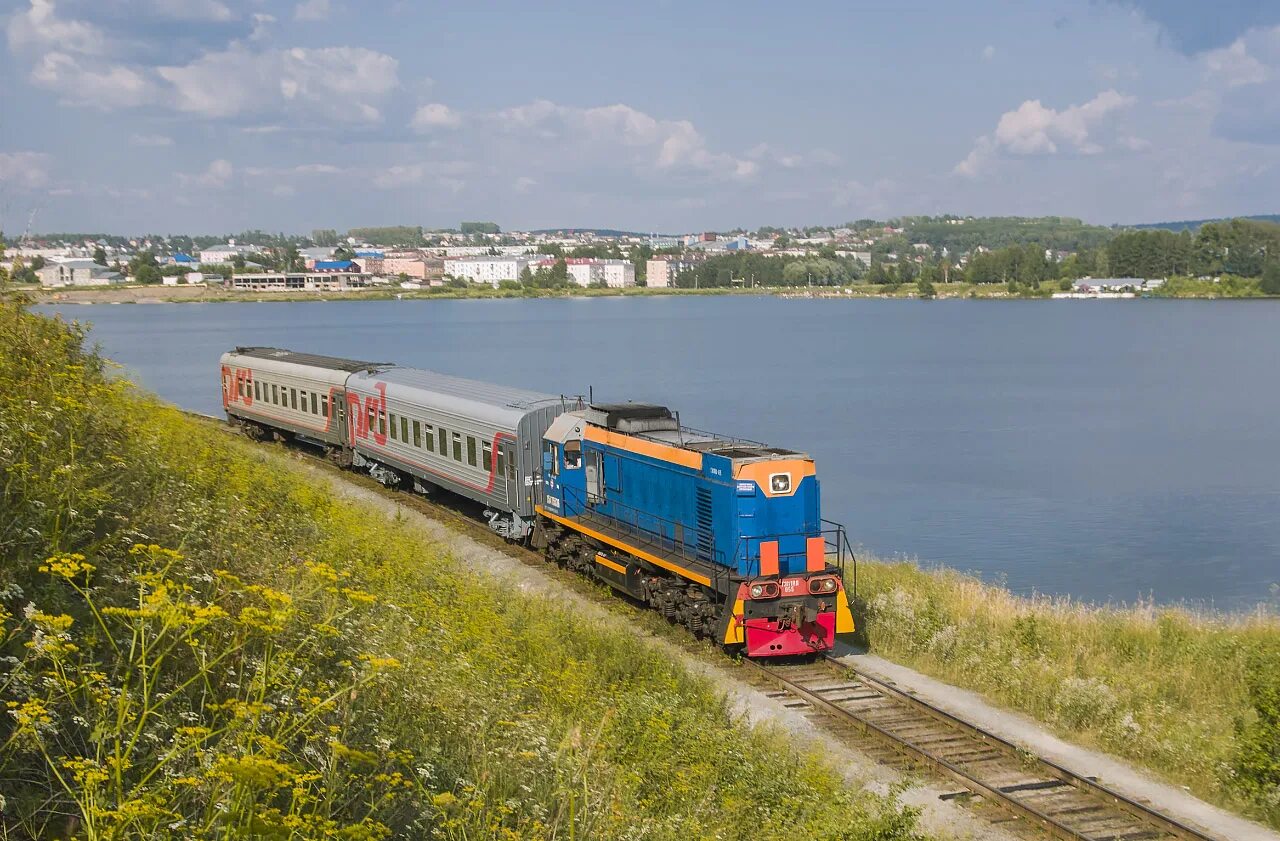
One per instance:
(720,534)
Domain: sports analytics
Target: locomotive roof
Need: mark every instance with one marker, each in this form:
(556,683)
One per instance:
(315,360)
(471,398)
(657,423)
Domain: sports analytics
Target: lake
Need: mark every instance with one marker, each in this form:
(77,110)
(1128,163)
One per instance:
(1110,450)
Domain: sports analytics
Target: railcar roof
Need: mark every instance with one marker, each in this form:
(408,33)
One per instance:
(497,404)
(315,360)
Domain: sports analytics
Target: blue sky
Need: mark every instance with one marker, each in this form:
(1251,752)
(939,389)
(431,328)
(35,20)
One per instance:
(217,115)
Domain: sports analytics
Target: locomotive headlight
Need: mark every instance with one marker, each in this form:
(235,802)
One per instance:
(757,590)
(780,483)
(825,584)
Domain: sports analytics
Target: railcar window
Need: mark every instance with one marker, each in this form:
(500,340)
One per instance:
(303,395)
(257,392)
(486,457)
(404,429)
(275,394)
(511,469)
(430,438)
(393,426)
(293,398)
(471,451)
(324,405)
(501,463)
(444,442)
(315,405)
(457,447)
(382,423)
(417,433)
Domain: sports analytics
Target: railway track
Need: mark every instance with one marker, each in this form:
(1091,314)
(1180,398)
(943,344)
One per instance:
(1050,797)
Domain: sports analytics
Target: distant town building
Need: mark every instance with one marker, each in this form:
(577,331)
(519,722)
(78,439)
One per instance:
(411,264)
(327,266)
(223,253)
(78,272)
(490,270)
(321,252)
(661,274)
(300,281)
(585,271)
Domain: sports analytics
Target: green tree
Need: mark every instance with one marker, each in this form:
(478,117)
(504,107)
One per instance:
(147,274)
(100,256)
(559,274)
(291,260)
(925,288)
(1271,278)
(526,277)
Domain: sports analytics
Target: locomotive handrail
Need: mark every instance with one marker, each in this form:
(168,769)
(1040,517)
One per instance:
(632,525)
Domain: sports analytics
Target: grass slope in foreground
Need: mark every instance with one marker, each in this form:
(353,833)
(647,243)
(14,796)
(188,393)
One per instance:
(196,643)
(1194,697)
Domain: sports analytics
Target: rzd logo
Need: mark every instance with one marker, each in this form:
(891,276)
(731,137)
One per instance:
(237,386)
(367,419)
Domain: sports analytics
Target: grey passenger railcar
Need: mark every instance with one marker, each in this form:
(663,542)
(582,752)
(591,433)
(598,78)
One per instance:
(478,440)
(299,394)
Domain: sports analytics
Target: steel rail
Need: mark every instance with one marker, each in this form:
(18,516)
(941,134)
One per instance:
(905,745)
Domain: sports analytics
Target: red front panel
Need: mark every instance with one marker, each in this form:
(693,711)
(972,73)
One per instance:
(763,639)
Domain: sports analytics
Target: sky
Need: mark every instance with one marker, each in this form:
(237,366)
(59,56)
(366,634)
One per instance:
(208,116)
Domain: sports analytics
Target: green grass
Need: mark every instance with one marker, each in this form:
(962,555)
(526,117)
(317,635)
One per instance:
(198,641)
(1192,696)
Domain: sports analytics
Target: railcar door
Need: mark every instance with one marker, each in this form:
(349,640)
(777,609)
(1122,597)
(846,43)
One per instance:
(504,484)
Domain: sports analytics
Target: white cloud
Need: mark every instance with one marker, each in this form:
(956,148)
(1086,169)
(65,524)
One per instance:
(668,145)
(312,10)
(1034,129)
(205,10)
(434,116)
(1135,144)
(84,66)
(261,26)
(150,140)
(81,81)
(334,82)
(1234,65)
(524,184)
(40,27)
(988,52)
(215,177)
(26,170)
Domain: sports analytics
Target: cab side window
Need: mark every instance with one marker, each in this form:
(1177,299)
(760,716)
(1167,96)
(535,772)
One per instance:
(572,455)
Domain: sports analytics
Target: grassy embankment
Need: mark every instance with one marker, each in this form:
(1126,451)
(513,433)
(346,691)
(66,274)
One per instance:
(1194,697)
(197,642)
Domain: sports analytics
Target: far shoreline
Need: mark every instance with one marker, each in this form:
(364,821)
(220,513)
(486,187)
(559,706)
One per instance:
(134,294)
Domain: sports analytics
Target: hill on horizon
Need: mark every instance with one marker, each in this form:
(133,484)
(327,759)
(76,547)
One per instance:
(1194,224)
